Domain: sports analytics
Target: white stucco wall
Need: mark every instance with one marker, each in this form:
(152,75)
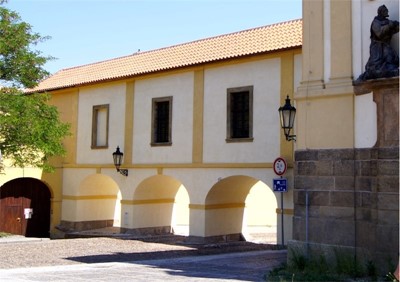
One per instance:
(180,87)
(264,76)
(327,40)
(72,179)
(298,65)
(114,95)
(365,119)
(365,116)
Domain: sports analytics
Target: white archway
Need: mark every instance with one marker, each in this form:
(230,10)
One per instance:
(95,205)
(160,205)
(236,202)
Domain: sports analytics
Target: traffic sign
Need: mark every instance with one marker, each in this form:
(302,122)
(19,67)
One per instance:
(280,184)
(280,166)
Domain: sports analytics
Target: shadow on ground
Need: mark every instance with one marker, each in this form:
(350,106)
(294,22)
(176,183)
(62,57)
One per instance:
(194,250)
(241,262)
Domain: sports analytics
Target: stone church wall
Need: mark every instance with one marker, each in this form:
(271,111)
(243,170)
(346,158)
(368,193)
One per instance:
(353,203)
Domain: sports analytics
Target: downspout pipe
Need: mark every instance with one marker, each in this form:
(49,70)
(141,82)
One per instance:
(307,216)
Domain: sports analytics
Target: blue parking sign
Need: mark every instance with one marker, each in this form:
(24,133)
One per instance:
(280,184)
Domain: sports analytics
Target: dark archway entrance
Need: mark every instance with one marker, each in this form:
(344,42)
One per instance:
(25,207)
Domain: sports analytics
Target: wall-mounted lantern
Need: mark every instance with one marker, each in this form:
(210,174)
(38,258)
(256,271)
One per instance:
(287,114)
(118,157)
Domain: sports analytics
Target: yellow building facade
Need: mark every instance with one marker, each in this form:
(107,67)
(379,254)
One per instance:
(196,173)
(193,159)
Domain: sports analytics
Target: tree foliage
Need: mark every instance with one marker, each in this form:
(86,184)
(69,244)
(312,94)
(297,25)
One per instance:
(30,129)
(20,64)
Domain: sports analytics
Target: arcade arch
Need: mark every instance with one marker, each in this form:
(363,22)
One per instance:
(235,203)
(95,205)
(160,205)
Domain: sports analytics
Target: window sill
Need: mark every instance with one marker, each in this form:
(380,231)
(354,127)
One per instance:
(239,140)
(161,144)
(99,147)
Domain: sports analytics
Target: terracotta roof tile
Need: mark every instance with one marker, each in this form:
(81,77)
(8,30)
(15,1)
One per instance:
(248,42)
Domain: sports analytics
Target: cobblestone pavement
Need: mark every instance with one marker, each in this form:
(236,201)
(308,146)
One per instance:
(105,259)
(90,250)
(246,266)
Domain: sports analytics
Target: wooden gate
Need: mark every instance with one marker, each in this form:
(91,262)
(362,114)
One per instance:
(25,208)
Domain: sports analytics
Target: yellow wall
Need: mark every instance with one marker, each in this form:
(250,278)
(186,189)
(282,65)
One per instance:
(325,100)
(67,104)
(325,122)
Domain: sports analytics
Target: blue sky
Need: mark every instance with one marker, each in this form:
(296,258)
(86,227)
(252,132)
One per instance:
(88,31)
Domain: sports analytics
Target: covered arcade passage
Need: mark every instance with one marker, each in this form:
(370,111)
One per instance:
(233,204)
(160,205)
(95,204)
(25,208)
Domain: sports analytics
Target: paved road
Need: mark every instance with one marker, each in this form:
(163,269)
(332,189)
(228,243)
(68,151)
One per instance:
(108,259)
(247,266)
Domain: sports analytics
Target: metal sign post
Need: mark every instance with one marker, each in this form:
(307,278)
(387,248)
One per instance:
(282,227)
(280,185)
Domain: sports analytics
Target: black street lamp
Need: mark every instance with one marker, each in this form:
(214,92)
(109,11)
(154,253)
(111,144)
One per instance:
(118,157)
(287,114)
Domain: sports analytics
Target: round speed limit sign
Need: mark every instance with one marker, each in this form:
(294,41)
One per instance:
(280,166)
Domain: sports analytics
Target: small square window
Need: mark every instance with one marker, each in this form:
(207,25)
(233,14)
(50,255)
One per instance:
(161,121)
(100,120)
(240,114)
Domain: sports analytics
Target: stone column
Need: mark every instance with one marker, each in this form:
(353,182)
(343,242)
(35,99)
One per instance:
(386,96)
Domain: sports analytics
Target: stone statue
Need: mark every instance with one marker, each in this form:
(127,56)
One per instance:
(383,60)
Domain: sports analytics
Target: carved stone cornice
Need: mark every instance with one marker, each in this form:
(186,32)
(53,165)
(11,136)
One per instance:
(368,86)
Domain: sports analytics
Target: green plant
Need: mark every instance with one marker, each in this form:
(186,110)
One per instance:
(301,268)
(371,269)
(344,267)
(4,234)
(298,260)
(347,264)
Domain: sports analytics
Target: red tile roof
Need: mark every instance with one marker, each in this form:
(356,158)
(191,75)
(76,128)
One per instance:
(264,39)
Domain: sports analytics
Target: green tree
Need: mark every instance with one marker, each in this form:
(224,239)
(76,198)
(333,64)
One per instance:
(30,129)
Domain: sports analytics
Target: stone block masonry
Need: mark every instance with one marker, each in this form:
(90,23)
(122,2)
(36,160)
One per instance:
(353,202)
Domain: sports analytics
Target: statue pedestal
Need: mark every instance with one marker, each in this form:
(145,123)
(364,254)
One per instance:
(386,96)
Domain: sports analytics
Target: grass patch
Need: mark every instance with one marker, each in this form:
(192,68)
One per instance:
(4,234)
(316,268)
(303,269)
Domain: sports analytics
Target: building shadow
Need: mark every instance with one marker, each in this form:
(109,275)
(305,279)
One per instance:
(238,260)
